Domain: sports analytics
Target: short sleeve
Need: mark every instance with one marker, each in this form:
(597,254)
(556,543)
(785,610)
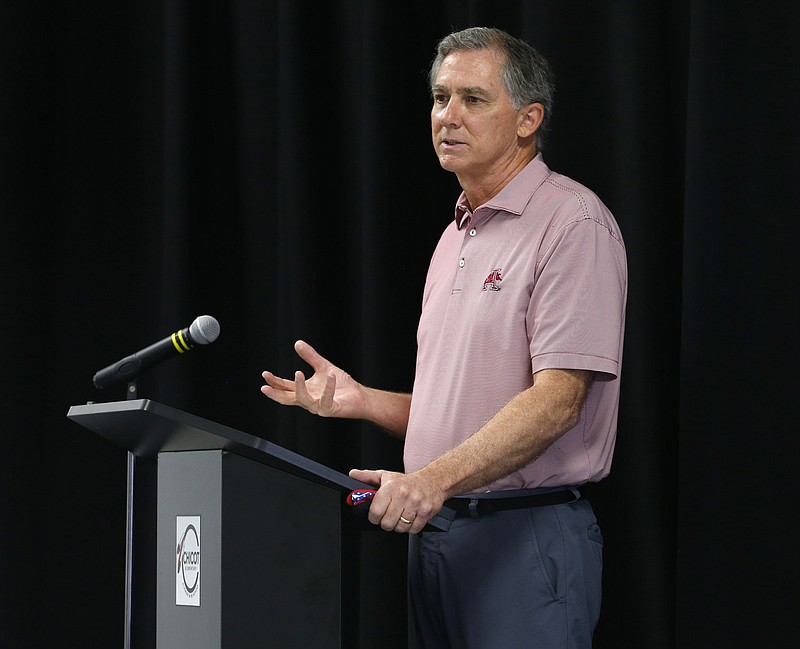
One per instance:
(576,314)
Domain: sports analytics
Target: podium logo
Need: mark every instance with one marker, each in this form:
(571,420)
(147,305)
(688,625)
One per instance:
(187,574)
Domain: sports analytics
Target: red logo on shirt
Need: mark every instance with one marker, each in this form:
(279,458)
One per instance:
(490,283)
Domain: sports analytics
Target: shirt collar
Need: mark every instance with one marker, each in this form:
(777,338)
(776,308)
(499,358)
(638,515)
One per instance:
(512,198)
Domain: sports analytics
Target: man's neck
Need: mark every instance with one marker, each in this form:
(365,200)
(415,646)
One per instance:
(481,190)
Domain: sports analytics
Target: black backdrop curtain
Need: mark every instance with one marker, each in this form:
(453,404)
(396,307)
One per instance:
(269,163)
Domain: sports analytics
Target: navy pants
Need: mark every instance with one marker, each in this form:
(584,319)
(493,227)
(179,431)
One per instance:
(525,578)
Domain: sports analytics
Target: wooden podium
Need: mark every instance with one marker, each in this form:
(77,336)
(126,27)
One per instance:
(252,538)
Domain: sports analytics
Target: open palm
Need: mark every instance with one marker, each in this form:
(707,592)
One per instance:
(330,392)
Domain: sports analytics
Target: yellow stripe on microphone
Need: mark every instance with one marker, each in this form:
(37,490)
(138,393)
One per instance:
(178,341)
(184,342)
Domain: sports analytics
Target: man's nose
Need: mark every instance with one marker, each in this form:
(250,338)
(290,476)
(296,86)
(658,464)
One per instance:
(450,113)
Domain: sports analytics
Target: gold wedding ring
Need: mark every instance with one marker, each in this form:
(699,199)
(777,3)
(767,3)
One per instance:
(405,520)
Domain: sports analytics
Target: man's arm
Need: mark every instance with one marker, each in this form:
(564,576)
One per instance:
(521,431)
(332,392)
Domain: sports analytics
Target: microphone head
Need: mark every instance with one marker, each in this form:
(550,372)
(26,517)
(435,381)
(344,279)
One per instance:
(204,329)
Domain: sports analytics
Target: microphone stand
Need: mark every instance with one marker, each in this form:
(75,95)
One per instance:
(131,392)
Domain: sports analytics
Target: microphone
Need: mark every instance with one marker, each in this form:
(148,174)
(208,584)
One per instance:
(204,330)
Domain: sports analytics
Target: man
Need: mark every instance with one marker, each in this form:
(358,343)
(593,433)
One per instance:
(516,389)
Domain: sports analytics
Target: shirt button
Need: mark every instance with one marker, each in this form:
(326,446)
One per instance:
(473,232)
(461,263)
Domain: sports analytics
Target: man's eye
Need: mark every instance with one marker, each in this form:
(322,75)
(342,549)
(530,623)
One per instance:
(439,99)
(473,100)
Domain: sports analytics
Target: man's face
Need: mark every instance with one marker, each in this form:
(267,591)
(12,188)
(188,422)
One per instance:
(473,123)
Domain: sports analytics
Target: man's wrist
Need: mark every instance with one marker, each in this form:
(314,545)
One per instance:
(389,410)
(442,477)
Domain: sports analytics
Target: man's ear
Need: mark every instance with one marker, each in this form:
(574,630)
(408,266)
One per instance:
(530,118)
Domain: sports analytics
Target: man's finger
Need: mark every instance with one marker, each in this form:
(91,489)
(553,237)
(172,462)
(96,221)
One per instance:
(309,355)
(301,391)
(367,475)
(326,398)
(418,525)
(283,397)
(277,382)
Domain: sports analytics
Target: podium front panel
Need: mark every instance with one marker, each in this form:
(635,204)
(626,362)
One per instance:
(248,556)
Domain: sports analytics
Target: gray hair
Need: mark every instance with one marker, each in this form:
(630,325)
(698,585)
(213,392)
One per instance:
(526,74)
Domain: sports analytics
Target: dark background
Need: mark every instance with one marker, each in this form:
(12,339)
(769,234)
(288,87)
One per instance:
(269,163)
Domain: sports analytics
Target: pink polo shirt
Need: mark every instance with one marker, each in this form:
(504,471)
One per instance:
(534,279)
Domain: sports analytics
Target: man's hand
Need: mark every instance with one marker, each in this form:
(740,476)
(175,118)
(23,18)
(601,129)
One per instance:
(330,392)
(404,502)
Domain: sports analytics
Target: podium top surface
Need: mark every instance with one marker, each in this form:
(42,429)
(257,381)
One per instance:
(147,428)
